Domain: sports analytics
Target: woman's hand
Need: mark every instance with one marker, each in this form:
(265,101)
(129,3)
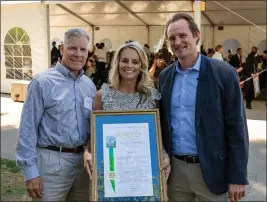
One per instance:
(166,167)
(87,161)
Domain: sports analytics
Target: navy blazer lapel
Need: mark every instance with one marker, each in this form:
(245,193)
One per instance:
(170,86)
(202,88)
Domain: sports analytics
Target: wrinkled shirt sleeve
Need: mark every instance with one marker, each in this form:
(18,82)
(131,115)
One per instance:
(32,112)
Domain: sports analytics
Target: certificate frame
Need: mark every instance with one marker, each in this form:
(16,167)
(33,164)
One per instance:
(100,117)
(256,85)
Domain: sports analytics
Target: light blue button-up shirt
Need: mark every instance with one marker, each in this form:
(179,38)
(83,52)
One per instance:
(183,101)
(56,112)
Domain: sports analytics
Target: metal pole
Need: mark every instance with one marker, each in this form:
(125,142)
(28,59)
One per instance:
(197,17)
(148,31)
(47,18)
(93,36)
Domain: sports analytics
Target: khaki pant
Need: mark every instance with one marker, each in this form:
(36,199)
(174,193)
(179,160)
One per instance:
(63,175)
(186,183)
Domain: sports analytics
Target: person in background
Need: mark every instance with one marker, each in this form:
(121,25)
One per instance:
(230,55)
(129,41)
(90,67)
(210,52)
(264,59)
(96,46)
(218,53)
(236,61)
(59,53)
(101,55)
(147,50)
(200,96)
(54,53)
(173,58)
(202,50)
(250,70)
(55,126)
(166,54)
(148,53)
(158,65)
(263,75)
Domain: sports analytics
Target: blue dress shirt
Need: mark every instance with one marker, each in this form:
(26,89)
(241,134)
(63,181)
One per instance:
(56,112)
(183,101)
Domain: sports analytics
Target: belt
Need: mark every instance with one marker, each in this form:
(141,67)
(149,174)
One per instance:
(75,150)
(187,159)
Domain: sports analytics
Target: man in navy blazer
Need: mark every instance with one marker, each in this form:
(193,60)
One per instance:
(203,121)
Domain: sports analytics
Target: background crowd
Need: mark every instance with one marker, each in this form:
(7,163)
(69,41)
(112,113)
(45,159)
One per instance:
(99,61)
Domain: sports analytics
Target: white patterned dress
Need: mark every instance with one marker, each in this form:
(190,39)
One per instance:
(115,100)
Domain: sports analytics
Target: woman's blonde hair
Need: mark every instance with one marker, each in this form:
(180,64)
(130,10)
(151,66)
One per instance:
(144,81)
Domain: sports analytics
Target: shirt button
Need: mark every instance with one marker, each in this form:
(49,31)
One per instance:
(182,138)
(182,122)
(182,106)
(183,91)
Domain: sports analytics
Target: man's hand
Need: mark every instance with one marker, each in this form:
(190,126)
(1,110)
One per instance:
(236,192)
(88,165)
(239,69)
(34,188)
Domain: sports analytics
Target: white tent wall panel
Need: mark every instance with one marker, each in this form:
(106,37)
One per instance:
(207,36)
(155,34)
(34,23)
(119,34)
(247,36)
(58,33)
(257,37)
(66,20)
(158,6)
(94,7)
(112,19)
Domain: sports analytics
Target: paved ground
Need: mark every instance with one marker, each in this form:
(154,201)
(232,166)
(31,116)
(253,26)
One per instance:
(256,119)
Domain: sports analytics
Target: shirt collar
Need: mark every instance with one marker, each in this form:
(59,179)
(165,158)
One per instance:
(195,67)
(66,72)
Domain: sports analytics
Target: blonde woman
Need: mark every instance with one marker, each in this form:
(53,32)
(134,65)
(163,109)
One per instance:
(130,87)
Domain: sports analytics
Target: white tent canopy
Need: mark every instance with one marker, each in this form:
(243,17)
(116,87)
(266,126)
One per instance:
(115,12)
(155,12)
(114,22)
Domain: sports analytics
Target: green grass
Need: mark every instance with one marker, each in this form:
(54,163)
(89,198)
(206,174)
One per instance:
(9,165)
(12,182)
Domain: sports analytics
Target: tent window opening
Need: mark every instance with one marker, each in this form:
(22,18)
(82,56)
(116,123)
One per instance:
(18,58)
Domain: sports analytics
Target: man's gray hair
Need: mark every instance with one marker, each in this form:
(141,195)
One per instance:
(77,32)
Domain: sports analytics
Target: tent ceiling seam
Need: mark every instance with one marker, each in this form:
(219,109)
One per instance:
(74,14)
(208,18)
(130,11)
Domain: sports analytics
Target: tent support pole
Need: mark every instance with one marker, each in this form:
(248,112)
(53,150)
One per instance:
(47,26)
(213,38)
(148,32)
(197,17)
(93,36)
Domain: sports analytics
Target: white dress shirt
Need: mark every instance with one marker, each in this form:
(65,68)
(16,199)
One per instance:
(218,56)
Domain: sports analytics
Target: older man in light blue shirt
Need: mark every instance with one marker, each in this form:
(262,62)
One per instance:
(55,126)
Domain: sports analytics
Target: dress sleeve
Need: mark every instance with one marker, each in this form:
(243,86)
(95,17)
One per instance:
(155,94)
(152,101)
(105,91)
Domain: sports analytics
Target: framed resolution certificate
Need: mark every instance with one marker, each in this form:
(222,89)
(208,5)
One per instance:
(127,154)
